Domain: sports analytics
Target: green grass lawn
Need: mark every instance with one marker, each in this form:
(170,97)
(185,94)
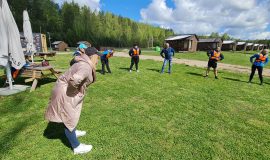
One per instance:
(236,58)
(146,116)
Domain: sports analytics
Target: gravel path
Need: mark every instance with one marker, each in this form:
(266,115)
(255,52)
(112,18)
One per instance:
(197,63)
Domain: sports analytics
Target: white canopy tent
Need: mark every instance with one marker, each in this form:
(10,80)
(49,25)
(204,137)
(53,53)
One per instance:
(11,53)
(27,31)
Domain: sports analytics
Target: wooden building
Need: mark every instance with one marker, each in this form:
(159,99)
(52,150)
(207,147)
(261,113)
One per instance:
(84,42)
(60,46)
(261,46)
(249,46)
(229,45)
(183,42)
(211,43)
(256,47)
(39,42)
(241,46)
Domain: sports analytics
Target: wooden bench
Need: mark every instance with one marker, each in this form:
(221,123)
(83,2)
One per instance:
(33,74)
(44,55)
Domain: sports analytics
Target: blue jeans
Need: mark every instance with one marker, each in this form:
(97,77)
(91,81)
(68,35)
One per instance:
(165,63)
(71,136)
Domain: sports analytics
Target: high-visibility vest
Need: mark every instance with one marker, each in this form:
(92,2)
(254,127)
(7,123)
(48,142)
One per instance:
(262,58)
(215,56)
(109,55)
(136,52)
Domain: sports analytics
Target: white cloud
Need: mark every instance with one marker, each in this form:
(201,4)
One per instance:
(247,19)
(93,4)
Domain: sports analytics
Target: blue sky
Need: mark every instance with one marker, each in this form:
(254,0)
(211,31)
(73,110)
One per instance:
(245,19)
(127,8)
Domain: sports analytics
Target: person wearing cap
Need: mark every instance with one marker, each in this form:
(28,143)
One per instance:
(105,60)
(214,57)
(67,96)
(81,50)
(167,53)
(134,53)
(261,59)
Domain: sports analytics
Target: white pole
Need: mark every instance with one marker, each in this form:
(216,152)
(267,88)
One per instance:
(9,76)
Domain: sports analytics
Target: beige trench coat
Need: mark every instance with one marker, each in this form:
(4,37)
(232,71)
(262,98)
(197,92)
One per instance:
(68,93)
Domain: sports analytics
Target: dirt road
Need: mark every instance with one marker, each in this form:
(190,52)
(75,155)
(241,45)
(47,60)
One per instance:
(197,63)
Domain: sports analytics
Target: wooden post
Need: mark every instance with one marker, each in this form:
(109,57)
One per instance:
(34,85)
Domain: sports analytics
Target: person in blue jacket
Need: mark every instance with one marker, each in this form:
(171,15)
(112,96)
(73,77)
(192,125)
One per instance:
(105,60)
(261,59)
(167,53)
(81,50)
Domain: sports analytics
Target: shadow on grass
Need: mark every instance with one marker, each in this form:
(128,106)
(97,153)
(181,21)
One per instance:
(56,131)
(155,70)
(98,70)
(127,69)
(238,80)
(235,80)
(7,140)
(21,81)
(194,74)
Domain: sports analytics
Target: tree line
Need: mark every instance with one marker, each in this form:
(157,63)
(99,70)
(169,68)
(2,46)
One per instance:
(72,23)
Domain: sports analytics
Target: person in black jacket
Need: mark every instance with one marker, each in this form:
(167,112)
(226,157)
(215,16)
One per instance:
(134,53)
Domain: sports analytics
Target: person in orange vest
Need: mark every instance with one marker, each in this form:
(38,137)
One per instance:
(134,53)
(105,60)
(261,59)
(214,57)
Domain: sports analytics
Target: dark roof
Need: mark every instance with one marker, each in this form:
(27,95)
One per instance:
(210,40)
(180,36)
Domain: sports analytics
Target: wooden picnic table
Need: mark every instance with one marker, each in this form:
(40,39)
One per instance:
(44,55)
(34,73)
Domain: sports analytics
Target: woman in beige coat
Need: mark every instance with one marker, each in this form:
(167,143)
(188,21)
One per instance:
(67,97)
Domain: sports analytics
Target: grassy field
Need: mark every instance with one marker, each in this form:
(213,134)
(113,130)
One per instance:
(146,115)
(236,58)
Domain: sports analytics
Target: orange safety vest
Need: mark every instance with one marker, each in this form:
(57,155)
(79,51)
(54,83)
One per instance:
(262,58)
(108,56)
(136,52)
(215,56)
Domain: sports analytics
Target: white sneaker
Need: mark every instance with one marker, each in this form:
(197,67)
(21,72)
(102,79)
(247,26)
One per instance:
(82,148)
(138,71)
(130,71)
(80,133)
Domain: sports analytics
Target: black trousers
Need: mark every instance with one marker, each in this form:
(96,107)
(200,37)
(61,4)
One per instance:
(260,70)
(105,62)
(134,60)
